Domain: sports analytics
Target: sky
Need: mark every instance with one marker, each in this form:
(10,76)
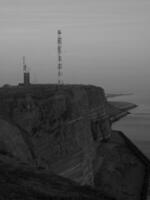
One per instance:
(105,42)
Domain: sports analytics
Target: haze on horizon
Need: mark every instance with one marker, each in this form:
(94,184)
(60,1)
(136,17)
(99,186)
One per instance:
(105,43)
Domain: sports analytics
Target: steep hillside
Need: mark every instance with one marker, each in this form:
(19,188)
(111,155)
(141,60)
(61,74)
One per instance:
(66,130)
(53,124)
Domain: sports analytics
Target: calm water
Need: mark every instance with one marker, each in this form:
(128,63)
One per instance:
(136,125)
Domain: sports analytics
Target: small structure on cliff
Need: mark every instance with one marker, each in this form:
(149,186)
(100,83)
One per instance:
(26,73)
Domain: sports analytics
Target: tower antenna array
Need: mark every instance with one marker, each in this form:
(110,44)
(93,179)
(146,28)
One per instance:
(60,70)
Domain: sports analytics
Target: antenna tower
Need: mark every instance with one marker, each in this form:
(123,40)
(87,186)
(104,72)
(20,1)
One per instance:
(24,65)
(60,70)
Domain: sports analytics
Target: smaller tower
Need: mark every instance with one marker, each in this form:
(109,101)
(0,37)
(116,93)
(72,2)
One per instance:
(26,73)
(60,71)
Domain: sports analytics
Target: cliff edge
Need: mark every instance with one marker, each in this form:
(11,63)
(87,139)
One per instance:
(60,129)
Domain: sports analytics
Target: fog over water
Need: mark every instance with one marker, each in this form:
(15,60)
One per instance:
(106,43)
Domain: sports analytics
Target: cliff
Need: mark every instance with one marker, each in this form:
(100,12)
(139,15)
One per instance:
(118,110)
(60,129)
(45,125)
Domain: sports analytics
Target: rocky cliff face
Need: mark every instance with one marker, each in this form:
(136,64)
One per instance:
(44,126)
(66,131)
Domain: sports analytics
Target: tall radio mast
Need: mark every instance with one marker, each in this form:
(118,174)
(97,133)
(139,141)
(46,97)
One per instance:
(60,70)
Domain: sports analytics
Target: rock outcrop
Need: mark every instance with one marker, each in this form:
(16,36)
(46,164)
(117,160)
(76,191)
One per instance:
(54,125)
(66,130)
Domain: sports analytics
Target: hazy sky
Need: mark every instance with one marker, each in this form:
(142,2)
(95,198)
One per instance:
(105,42)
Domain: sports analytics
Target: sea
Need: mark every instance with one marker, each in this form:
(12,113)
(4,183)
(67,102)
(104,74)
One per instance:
(136,125)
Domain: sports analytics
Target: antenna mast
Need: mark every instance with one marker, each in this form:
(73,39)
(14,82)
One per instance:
(24,65)
(60,70)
